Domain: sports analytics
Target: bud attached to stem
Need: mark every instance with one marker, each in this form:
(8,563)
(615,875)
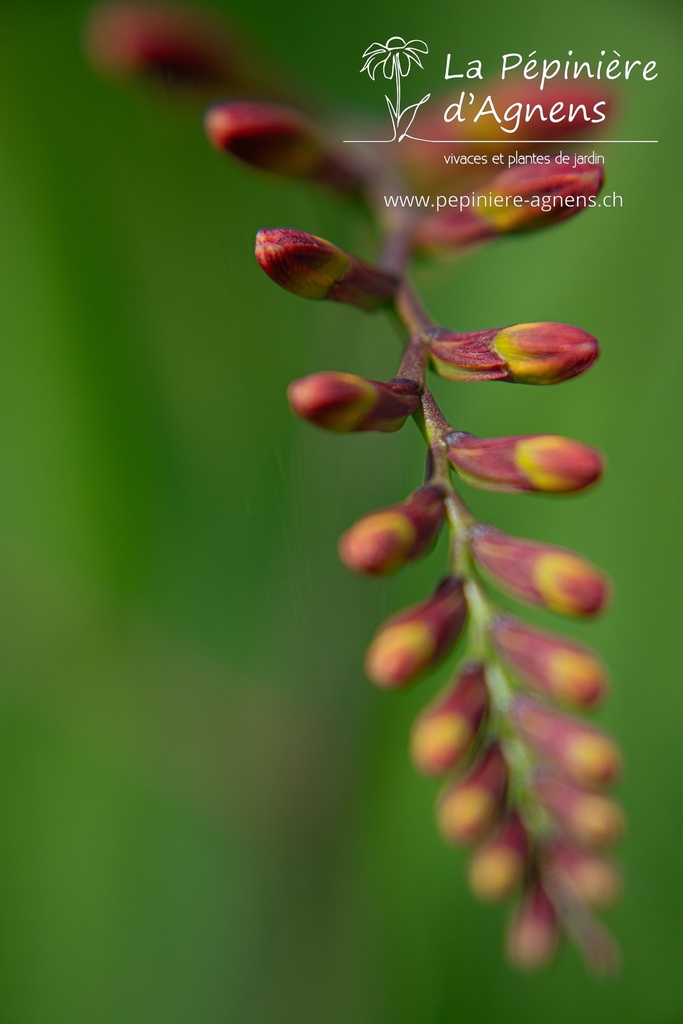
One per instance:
(542,353)
(418,638)
(534,932)
(592,820)
(382,542)
(540,574)
(277,139)
(520,199)
(181,45)
(468,807)
(445,730)
(552,664)
(497,867)
(345,403)
(312,268)
(543,462)
(583,752)
(596,878)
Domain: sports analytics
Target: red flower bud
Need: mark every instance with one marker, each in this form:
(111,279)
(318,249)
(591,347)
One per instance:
(587,755)
(383,541)
(444,732)
(542,462)
(498,866)
(416,639)
(182,45)
(590,819)
(542,353)
(468,807)
(315,269)
(552,664)
(345,403)
(534,932)
(541,574)
(595,878)
(519,199)
(277,139)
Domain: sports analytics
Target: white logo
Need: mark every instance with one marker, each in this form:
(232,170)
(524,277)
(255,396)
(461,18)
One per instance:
(396,58)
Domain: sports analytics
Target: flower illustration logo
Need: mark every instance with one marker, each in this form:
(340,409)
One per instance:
(395,58)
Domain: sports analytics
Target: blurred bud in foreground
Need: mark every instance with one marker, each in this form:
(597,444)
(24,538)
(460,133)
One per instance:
(418,638)
(468,807)
(561,668)
(382,542)
(590,819)
(444,731)
(541,353)
(182,46)
(277,139)
(595,878)
(543,462)
(498,866)
(534,931)
(587,755)
(315,269)
(541,574)
(519,199)
(345,403)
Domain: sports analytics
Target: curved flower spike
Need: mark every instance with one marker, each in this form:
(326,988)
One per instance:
(552,664)
(346,403)
(541,353)
(543,462)
(443,733)
(312,268)
(541,574)
(278,139)
(518,200)
(382,542)
(418,638)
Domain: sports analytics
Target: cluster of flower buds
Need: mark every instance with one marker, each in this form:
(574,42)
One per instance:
(523,778)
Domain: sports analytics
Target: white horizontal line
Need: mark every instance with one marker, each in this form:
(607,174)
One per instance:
(518,142)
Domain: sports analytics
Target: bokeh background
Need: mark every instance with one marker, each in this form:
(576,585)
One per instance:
(207,813)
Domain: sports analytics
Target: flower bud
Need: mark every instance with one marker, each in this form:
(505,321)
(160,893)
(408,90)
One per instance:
(277,139)
(444,732)
(181,45)
(416,639)
(468,807)
(587,755)
(590,819)
(534,932)
(345,403)
(540,574)
(519,199)
(541,462)
(561,668)
(595,878)
(498,866)
(382,542)
(315,269)
(542,353)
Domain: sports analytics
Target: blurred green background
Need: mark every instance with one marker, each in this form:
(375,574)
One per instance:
(208,814)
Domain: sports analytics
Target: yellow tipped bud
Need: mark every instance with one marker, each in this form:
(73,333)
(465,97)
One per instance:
(467,808)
